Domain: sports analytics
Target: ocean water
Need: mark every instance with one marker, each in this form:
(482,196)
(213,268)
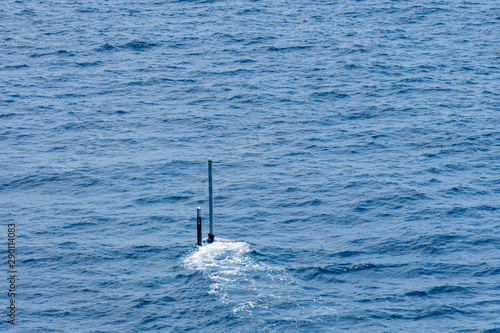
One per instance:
(356,165)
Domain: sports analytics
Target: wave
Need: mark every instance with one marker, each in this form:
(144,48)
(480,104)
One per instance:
(136,45)
(241,281)
(236,278)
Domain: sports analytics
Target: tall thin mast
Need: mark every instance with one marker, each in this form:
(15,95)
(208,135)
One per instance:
(210,203)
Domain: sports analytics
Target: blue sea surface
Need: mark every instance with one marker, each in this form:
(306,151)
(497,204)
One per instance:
(356,149)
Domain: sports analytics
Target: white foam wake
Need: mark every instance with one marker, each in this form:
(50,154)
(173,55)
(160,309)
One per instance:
(252,288)
(235,277)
